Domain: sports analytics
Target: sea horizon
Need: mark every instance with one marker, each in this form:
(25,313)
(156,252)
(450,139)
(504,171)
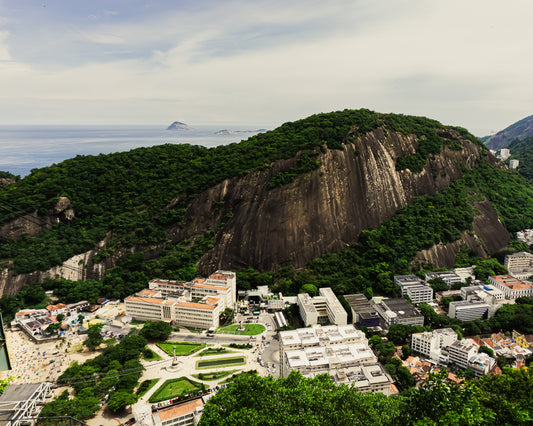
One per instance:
(27,147)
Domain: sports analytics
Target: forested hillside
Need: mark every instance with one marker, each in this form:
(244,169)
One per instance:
(152,209)
(522,150)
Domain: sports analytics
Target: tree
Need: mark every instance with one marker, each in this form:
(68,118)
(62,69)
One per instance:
(226,317)
(440,401)
(296,400)
(487,350)
(94,338)
(156,330)
(60,317)
(309,289)
(438,284)
(119,400)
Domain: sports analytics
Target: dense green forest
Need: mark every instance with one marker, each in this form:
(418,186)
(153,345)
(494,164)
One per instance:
(295,400)
(522,150)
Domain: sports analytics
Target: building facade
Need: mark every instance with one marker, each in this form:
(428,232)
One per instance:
(322,309)
(511,287)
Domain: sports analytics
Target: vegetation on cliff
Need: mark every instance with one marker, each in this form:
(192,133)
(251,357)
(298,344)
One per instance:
(522,150)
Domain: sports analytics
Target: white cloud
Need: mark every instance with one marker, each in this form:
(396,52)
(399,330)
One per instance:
(461,63)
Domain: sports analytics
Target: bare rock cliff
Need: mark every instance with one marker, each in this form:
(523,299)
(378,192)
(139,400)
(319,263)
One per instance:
(322,211)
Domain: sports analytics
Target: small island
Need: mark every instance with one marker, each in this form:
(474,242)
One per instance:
(233,132)
(178,125)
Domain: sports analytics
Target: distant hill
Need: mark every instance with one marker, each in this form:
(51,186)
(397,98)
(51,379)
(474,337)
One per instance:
(519,130)
(178,125)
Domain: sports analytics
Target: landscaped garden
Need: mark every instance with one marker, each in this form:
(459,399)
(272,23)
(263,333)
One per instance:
(146,386)
(173,388)
(214,375)
(220,362)
(150,355)
(249,329)
(215,351)
(182,348)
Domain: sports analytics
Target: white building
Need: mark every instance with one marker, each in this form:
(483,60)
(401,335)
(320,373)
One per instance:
(340,351)
(468,310)
(504,154)
(461,351)
(430,343)
(513,164)
(322,309)
(412,286)
(511,287)
(184,414)
(519,265)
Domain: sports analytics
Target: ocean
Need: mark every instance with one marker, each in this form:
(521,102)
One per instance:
(23,148)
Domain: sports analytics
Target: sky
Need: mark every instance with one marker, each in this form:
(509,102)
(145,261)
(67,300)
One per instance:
(78,62)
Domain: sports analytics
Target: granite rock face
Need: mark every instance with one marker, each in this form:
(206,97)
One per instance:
(321,211)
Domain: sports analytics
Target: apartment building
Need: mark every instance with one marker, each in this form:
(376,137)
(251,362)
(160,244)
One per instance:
(430,344)
(461,351)
(412,286)
(511,287)
(322,309)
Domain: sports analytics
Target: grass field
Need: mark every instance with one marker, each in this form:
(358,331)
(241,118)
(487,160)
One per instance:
(214,375)
(146,386)
(182,348)
(220,362)
(215,351)
(154,356)
(173,388)
(249,329)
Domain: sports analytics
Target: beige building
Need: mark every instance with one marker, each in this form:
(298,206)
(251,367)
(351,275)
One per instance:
(430,343)
(322,309)
(511,287)
(195,304)
(519,265)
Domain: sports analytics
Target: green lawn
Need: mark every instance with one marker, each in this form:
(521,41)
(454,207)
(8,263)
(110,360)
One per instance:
(214,375)
(173,388)
(220,362)
(215,351)
(146,386)
(154,356)
(182,348)
(249,329)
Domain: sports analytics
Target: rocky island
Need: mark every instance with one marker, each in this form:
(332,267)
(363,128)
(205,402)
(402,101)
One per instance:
(178,125)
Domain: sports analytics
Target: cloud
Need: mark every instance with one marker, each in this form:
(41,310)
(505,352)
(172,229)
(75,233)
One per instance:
(268,61)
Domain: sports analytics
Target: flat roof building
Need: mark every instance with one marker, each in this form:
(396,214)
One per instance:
(511,287)
(340,351)
(364,313)
(322,309)
(449,277)
(412,286)
(468,310)
(399,311)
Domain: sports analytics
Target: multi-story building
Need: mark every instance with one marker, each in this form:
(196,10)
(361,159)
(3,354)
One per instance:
(340,351)
(468,310)
(399,311)
(461,351)
(519,265)
(430,344)
(449,277)
(195,304)
(412,286)
(322,309)
(511,287)
(364,313)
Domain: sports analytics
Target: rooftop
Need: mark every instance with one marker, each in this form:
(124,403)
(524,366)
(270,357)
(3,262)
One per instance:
(510,282)
(175,411)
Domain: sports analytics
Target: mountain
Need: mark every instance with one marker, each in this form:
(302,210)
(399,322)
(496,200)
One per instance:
(519,130)
(343,199)
(178,125)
